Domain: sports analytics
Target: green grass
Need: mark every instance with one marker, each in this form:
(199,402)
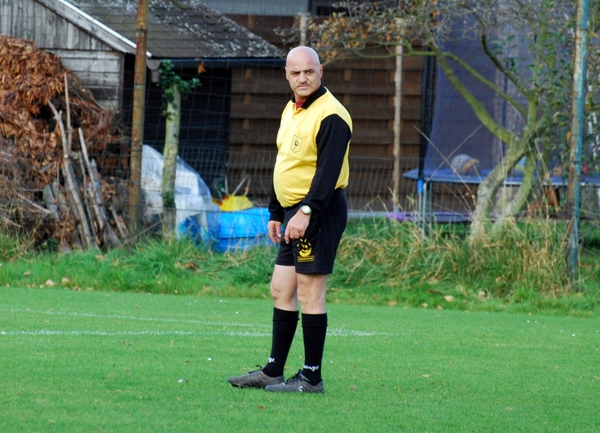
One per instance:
(82,361)
(380,262)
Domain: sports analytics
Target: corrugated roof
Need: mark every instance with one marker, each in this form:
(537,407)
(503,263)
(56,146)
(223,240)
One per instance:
(179,29)
(288,8)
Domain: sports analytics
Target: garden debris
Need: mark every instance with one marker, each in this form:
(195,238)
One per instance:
(60,153)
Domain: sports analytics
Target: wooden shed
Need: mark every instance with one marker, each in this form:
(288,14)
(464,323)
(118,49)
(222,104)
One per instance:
(230,123)
(96,40)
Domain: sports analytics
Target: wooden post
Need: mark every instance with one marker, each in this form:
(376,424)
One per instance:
(397,128)
(303,25)
(137,128)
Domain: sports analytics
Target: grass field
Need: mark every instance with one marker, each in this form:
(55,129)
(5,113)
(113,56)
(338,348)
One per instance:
(77,361)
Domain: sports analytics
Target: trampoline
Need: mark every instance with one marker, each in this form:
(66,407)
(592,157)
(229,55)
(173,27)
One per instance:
(456,148)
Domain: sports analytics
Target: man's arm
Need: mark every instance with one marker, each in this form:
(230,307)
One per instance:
(275,209)
(275,219)
(332,142)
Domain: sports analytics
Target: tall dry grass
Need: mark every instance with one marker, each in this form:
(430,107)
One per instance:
(529,255)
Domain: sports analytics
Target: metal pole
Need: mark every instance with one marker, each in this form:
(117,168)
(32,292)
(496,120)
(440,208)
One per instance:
(578,104)
(137,127)
(424,188)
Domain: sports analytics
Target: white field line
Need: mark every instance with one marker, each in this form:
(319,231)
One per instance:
(146,319)
(331,332)
(47,332)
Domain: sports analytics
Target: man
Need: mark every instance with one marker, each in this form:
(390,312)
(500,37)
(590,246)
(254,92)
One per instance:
(310,171)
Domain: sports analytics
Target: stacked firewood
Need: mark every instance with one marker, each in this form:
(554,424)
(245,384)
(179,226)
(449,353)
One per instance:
(59,151)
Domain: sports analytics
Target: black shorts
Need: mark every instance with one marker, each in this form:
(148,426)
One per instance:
(315,252)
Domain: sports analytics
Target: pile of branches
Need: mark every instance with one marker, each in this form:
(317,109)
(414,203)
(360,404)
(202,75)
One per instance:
(57,147)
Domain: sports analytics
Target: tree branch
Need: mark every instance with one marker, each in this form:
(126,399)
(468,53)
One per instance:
(481,112)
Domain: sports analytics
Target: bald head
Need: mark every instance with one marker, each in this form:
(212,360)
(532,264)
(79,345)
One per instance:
(303,71)
(303,52)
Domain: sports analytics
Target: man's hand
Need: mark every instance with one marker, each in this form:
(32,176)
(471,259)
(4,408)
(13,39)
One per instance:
(296,226)
(274,228)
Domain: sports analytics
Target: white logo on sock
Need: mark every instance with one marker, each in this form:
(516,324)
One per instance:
(311,368)
(271,360)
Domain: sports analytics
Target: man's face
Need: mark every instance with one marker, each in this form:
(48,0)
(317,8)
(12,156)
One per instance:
(303,71)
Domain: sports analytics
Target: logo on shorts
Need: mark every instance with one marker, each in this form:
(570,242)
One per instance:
(296,144)
(304,250)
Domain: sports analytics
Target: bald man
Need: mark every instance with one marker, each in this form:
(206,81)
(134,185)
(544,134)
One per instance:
(308,215)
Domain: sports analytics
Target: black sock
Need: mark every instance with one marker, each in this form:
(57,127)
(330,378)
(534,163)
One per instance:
(314,327)
(284,329)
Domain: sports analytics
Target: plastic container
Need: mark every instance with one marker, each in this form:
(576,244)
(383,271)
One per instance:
(236,230)
(242,230)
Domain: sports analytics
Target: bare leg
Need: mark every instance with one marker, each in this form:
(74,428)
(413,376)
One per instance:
(284,288)
(312,290)
(288,287)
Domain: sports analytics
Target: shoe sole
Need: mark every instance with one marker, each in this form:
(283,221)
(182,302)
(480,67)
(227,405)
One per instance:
(303,389)
(237,382)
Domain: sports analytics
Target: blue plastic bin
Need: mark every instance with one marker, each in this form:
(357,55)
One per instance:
(242,230)
(237,230)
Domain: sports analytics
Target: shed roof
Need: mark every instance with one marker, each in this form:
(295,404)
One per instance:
(264,7)
(177,29)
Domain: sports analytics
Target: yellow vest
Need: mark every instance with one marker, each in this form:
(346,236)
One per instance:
(296,161)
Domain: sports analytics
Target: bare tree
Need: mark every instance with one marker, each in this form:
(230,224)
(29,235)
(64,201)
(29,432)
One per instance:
(541,77)
(175,88)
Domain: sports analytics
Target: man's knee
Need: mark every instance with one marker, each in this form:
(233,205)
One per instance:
(283,294)
(312,293)
(284,288)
